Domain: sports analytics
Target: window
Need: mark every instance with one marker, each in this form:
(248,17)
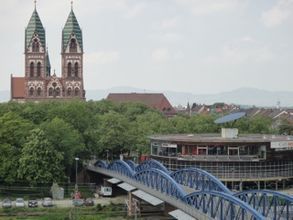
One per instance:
(39,92)
(31,91)
(32,69)
(69,69)
(58,91)
(76,69)
(69,92)
(51,91)
(36,45)
(73,46)
(76,92)
(39,68)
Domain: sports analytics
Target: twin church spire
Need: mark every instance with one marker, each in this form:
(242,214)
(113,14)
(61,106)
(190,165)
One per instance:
(39,84)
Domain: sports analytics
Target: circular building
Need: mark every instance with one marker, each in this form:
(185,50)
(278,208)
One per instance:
(265,161)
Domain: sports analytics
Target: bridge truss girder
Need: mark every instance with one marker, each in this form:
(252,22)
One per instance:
(271,204)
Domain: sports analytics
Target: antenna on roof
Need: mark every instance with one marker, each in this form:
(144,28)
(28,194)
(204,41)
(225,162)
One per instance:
(71,5)
(35,2)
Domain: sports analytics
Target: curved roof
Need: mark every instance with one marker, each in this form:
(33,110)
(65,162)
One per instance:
(71,27)
(35,26)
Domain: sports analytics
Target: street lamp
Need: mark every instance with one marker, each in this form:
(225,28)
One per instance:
(107,151)
(76,160)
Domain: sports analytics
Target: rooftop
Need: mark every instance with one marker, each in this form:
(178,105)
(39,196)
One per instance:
(216,138)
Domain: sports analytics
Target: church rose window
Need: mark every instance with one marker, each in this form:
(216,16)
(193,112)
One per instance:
(76,92)
(73,46)
(31,91)
(51,92)
(32,69)
(39,68)
(76,69)
(69,69)
(39,91)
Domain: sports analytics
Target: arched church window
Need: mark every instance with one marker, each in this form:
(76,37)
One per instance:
(73,46)
(39,91)
(58,91)
(76,69)
(51,91)
(36,45)
(31,91)
(69,69)
(69,92)
(39,68)
(76,92)
(32,69)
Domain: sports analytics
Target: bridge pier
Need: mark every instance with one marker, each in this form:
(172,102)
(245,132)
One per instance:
(133,206)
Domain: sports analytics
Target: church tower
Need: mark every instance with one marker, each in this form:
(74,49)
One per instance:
(72,58)
(37,64)
(38,84)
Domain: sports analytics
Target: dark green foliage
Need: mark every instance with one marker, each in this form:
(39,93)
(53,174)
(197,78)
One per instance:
(39,162)
(77,128)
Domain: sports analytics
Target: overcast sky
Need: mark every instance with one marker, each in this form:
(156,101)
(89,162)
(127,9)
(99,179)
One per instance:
(198,46)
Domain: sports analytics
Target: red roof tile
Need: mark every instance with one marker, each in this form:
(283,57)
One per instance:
(154,100)
(17,87)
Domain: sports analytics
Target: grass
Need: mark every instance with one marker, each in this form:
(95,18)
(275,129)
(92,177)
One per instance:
(110,212)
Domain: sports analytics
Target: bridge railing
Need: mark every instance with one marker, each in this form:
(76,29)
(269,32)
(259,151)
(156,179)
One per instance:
(159,183)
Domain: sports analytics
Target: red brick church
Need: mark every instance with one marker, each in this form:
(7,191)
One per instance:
(38,82)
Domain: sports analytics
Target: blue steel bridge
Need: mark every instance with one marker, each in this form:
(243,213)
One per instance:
(197,192)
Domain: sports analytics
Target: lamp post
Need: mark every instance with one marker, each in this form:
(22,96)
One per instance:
(107,151)
(76,161)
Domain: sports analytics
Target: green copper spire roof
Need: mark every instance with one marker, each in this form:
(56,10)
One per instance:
(35,26)
(71,27)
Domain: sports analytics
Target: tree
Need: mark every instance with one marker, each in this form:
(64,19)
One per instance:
(180,124)
(202,124)
(113,132)
(13,133)
(65,139)
(39,161)
(260,125)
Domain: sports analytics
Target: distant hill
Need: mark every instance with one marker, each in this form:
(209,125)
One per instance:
(242,96)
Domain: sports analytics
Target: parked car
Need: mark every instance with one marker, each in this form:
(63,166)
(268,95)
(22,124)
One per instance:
(78,202)
(6,203)
(32,203)
(19,203)
(47,202)
(89,202)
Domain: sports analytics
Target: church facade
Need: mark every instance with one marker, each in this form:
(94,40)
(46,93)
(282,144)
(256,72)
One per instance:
(38,83)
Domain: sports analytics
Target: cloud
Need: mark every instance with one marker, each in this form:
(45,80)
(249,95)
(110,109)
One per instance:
(102,57)
(205,7)
(135,10)
(169,23)
(167,37)
(243,50)
(162,55)
(126,8)
(278,14)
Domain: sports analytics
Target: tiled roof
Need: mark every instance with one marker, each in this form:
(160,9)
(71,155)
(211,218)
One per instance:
(154,100)
(17,87)
(71,27)
(35,26)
